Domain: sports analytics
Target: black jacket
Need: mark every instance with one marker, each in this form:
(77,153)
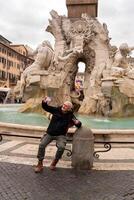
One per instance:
(60,121)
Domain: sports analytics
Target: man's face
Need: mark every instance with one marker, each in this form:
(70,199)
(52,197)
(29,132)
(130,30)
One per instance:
(65,107)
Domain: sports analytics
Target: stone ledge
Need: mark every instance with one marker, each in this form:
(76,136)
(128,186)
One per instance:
(101,135)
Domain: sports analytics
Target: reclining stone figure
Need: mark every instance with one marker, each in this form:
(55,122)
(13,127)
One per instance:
(44,55)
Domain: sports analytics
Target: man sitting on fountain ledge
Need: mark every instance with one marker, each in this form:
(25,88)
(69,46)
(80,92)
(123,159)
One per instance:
(62,119)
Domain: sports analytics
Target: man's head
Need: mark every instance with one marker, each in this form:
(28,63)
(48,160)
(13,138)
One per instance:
(67,106)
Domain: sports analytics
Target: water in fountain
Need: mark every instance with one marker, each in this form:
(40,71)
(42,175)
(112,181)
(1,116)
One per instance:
(9,114)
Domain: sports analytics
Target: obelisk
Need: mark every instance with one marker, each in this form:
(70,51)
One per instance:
(77,7)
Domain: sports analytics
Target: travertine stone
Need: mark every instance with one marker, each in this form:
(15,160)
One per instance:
(83,149)
(53,72)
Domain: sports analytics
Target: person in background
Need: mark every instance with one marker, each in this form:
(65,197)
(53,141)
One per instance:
(62,119)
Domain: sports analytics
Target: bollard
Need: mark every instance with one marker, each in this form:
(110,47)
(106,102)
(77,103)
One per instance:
(83,149)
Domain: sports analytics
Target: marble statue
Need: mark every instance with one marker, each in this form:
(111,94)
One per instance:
(120,58)
(43,58)
(108,88)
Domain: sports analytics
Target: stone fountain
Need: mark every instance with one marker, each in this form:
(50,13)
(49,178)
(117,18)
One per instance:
(108,77)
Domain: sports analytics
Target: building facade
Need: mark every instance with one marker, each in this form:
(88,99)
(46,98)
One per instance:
(13,60)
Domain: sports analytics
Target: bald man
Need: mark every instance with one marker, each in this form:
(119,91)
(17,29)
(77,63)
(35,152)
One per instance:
(62,119)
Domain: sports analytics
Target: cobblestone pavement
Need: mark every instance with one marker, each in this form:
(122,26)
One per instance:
(112,177)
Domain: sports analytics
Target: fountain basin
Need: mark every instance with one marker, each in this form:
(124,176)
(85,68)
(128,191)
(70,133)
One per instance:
(9,114)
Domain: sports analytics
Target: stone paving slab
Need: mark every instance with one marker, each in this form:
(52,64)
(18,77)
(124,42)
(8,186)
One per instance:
(19,182)
(23,152)
(8,144)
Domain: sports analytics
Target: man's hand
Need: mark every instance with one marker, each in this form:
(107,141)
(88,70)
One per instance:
(46,99)
(77,123)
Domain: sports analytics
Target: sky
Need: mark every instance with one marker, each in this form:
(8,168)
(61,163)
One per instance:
(25,21)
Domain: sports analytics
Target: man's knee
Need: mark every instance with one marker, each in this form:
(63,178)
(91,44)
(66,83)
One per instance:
(41,145)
